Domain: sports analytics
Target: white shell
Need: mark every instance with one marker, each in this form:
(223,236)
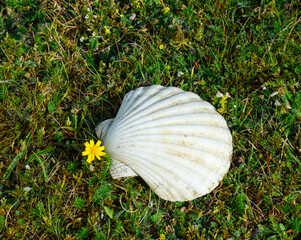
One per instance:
(173,139)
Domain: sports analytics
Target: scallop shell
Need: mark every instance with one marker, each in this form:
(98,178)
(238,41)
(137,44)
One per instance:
(175,141)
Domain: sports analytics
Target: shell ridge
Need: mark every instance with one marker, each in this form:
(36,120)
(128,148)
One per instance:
(149,106)
(184,149)
(148,175)
(173,173)
(223,151)
(180,160)
(129,98)
(198,118)
(173,137)
(195,169)
(183,108)
(185,130)
(144,105)
(152,178)
(148,92)
(208,159)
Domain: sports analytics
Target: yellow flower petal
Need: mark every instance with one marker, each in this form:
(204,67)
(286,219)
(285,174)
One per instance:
(100,153)
(91,157)
(91,143)
(98,143)
(87,144)
(102,148)
(85,153)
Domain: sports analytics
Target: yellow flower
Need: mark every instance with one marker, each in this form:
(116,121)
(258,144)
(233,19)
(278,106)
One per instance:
(167,67)
(107,30)
(161,46)
(162,237)
(117,10)
(166,9)
(93,151)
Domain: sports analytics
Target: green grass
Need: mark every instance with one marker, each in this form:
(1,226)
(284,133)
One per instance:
(57,81)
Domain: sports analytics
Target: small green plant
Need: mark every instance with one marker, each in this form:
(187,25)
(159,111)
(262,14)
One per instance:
(102,193)
(79,203)
(83,233)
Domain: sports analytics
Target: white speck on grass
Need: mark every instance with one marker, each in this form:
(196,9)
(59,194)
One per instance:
(87,16)
(81,39)
(219,94)
(27,166)
(133,16)
(277,103)
(227,94)
(288,106)
(274,94)
(180,74)
(27,189)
